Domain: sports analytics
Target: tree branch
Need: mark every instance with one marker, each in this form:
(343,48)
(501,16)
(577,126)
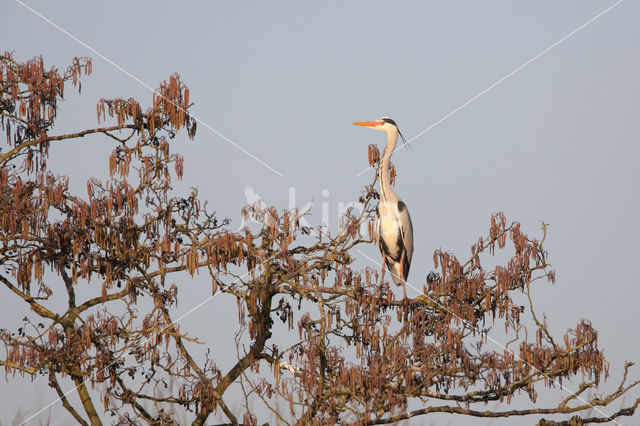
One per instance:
(65,402)
(5,157)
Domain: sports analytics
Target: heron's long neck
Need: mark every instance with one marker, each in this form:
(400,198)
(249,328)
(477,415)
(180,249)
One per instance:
(383,170)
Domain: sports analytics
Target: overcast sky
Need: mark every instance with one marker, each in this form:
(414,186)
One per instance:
(281,82)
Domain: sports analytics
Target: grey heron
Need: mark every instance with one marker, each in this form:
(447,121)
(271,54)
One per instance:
(393,228)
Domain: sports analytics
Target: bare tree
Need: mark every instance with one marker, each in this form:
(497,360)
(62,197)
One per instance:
(347,351)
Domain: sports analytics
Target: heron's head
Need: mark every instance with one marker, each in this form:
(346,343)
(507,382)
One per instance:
(384,124)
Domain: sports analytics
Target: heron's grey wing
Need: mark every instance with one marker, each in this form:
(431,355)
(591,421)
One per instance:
(406,229)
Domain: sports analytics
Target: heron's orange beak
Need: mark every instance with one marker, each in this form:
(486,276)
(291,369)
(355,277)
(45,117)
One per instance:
(369,123)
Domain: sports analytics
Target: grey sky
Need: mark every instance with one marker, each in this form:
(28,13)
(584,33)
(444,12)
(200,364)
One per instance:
(558,141)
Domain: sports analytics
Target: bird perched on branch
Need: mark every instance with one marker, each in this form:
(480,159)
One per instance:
(393,228)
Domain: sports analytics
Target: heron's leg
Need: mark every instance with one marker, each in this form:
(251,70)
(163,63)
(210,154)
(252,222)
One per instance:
(384,263)
(404,281)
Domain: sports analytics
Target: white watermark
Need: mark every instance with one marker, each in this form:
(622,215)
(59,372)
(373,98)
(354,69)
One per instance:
(332,213)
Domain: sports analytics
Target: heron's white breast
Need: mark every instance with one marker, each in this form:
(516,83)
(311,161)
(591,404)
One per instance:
(388,228)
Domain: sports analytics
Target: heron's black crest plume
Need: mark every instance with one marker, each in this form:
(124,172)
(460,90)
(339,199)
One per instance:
(403,139)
